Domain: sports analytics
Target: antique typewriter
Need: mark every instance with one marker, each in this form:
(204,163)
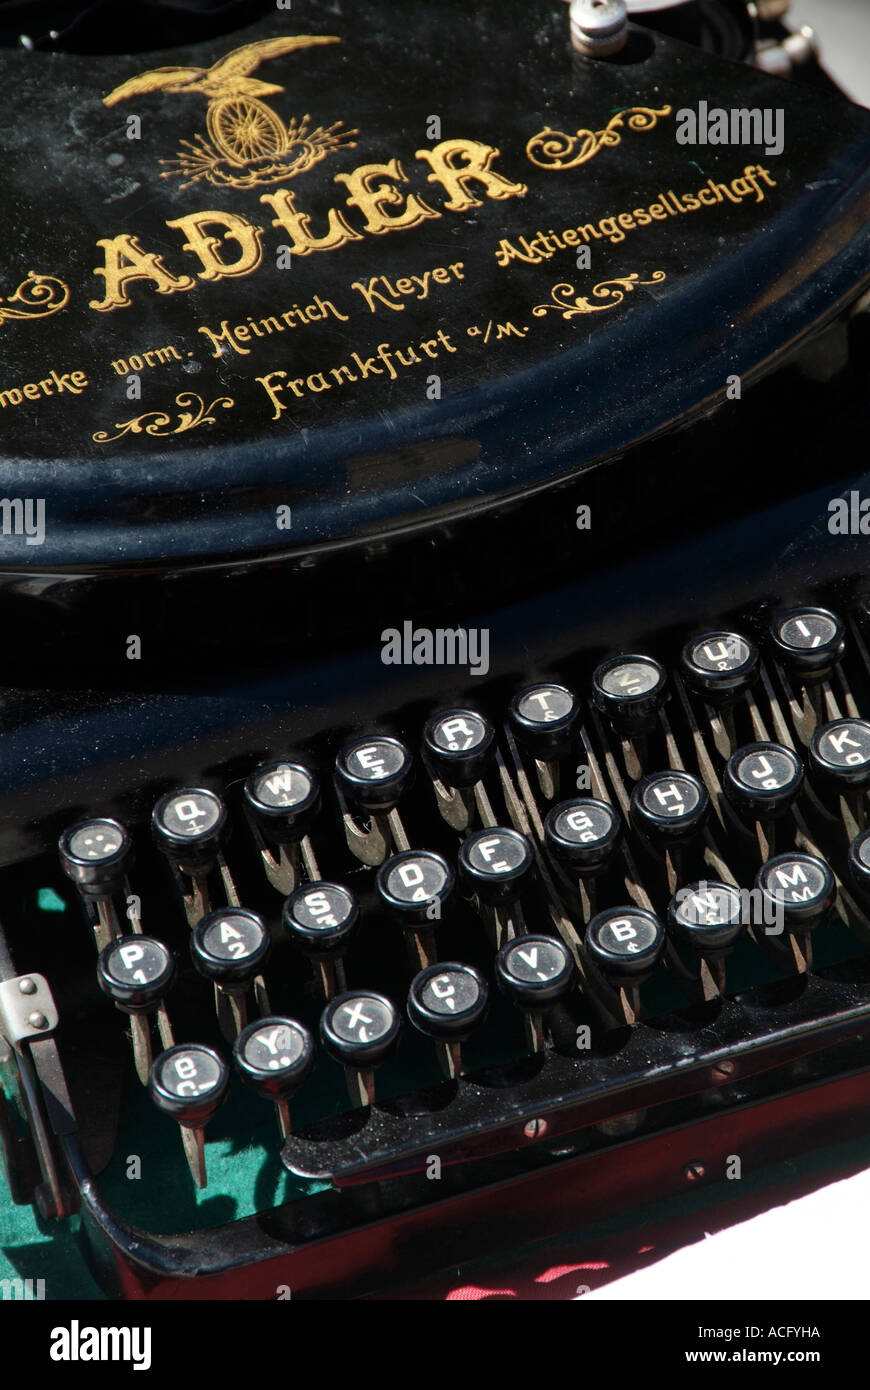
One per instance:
(436,660)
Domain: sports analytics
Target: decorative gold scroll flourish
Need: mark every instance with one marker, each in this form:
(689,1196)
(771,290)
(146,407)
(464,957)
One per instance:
(41,295)
(161,422)
(612,292)
(554,149)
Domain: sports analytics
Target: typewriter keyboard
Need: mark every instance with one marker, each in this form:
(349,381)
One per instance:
(537,914)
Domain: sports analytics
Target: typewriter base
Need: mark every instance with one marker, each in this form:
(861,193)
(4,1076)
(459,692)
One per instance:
(397,1239)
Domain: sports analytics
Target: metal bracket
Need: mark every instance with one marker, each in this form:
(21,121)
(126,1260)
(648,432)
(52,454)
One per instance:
(27,1008)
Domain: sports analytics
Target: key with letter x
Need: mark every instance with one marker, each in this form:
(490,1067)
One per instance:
(360,1030)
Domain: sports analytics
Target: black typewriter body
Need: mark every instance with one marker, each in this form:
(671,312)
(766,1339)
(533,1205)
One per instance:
(273,553)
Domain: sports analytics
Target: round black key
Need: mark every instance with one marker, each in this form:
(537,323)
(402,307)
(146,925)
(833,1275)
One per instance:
(189,1082)
(360,1029)
(447,1001)
(544,718)
(321,918)
(415,886)
(808,640)
(535,971)
(96,855)
(707,917)
(496,864)
(763,779)
(629,690)
(840,753)
(859,862)
(719,665)
(625,943)
(669,806)
(459,745)
(135,972)
(799,885)
(583,834)
(230,946)
(274,1056)
(373,773)
(188,826)
(284,799)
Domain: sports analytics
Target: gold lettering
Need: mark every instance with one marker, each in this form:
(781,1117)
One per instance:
(477,168)
(199,243)
(297,225)
(140,265)
(372,198)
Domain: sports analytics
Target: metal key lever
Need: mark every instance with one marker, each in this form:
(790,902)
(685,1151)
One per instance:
(189,1082)
(415,888)
(447,1002)
(543,718)
(136,972)
(230,948)
(96,855)
(629,691)
(281,802)
(371,776)
(535,973)
(458,749)
(28,1017)
(495,867)
(274,1057)
(188,827)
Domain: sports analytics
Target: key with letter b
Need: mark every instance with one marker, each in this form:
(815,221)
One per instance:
(622,947)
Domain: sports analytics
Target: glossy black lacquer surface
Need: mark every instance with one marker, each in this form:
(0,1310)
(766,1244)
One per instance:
(534,386)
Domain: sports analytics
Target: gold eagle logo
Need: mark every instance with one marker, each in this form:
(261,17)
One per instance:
(248,144)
